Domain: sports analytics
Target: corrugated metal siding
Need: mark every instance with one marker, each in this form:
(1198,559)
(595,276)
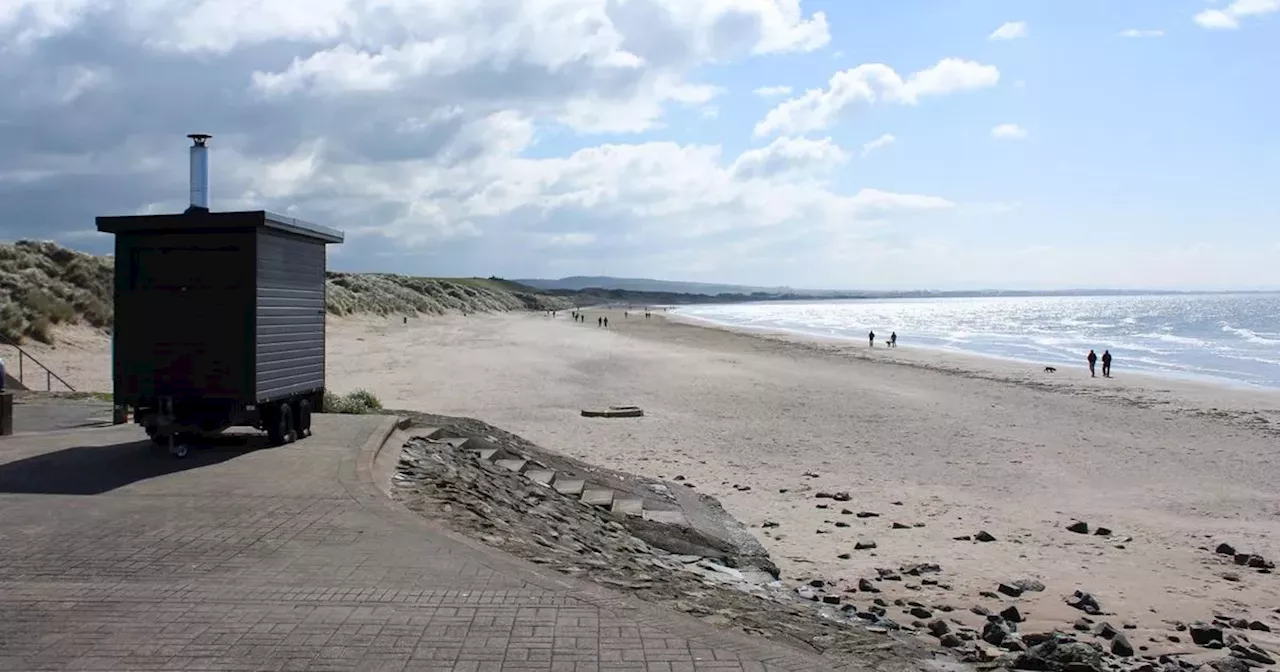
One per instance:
(290,315)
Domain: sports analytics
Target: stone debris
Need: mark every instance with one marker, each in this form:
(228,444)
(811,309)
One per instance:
(1079,527)
(984,536)
(1085,602)
(516,514)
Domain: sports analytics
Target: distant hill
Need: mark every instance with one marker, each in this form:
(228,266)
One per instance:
(581,282)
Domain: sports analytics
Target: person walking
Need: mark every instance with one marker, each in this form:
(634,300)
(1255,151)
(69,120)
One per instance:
(606,323)
(871,339)
(893,339)
(1093,360)
(1106,363)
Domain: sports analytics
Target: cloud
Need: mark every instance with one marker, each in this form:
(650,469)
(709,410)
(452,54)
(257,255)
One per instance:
(869,84)
(882,141)
(1009,132)
(789,157)
(444,136)
(772,91)
(1012,30)
(1135,33)
(1229,18)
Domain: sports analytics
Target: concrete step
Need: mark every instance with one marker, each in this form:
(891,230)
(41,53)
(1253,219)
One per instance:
(628,506)
(667,517)
(515,465)
(597,497)
(568,486)
(541,476)
(486,454)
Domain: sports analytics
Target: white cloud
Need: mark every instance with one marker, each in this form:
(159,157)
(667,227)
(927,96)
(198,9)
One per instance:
(790,157)
(868,84)
(1229,18)
(882,141)
(1012,30)
(772,91)
(1009,132)
(1135,33)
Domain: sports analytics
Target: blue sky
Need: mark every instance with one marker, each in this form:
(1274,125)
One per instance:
(626,137)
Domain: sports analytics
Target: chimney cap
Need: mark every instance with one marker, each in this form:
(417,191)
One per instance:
(199,138)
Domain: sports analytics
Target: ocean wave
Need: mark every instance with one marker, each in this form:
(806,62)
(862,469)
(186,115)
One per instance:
(1174,338)
(1250,335)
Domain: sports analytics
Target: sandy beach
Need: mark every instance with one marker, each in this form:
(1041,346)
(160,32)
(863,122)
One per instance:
(942,444)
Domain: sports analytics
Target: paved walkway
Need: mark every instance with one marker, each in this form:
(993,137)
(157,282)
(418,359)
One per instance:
(117,557)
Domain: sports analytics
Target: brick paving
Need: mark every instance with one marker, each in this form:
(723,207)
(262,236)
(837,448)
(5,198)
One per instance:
(114,556)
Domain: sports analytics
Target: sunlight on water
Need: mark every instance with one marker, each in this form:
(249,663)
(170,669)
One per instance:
(1228,337)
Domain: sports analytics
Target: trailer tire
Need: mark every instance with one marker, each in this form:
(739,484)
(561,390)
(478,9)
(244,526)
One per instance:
(281,429)
(304,418)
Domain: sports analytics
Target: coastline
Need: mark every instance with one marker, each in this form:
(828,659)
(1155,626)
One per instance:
(1138,386)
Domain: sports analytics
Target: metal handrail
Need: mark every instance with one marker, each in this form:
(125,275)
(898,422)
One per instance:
(48,374)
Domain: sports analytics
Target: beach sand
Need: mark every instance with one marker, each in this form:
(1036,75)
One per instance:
(957,444)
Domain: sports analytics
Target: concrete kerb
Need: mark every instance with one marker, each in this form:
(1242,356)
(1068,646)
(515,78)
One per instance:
(642,612)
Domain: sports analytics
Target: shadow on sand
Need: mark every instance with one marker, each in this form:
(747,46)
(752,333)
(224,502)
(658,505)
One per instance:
(95,469)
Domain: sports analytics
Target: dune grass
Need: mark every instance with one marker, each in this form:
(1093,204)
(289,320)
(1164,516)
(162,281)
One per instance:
(43,285)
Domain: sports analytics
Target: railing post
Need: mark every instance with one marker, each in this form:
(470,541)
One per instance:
(20,380)
(48,380)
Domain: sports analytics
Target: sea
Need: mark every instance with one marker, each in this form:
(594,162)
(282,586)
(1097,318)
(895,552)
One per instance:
(1223,338)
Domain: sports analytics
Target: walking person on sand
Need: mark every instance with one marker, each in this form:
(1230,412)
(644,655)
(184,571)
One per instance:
(893,339)
(606,323)
(871,339)
(1106,363)
(1093,359)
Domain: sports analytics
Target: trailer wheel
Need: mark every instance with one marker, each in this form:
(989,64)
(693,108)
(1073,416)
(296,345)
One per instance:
(304,418)
(178,445)
(281,429)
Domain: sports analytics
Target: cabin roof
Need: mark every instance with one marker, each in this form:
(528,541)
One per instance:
(203,221)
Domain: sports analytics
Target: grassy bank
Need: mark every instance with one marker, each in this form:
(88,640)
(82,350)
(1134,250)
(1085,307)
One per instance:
(43,285)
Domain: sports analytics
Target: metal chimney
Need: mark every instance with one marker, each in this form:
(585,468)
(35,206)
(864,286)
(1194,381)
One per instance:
(199,172)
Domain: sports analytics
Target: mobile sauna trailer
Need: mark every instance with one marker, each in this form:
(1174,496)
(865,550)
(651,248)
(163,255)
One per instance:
(219,319)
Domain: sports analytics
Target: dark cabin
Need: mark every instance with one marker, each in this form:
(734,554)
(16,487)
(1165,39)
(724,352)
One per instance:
(226,306)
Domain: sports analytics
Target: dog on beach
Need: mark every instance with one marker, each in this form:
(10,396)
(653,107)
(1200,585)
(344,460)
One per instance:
(1050,369)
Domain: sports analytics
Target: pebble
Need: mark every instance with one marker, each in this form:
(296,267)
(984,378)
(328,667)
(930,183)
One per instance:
(900,526)
(863,545)
(868,514)
(984,536)
(1121,646)
(1085,602)
(1010,590)
(866,586)
(1011,614)
(1079,527)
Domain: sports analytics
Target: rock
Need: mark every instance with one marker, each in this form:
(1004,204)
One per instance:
(1102,532)
(1120,645)
(921,568)
(950,640)
(1259,626)
(1230,664)
(868,514)
(1011,614)
(1225,549)
(1055,655)
(842,497)
(866,586)
(807,593)
(920,612)
(980,610)
(1105,630)
(831,599)
(1014,644)
(822,495)
(845,556)
(1231,576)
(984,536)
(1085,602)
(678,478)
(1079,527)
(996,632)
(1009,589)
(846,512)
(988,594)
(1259,562)
(1173,638)
(900,526)
(964,537)
(1029,585)
(1203,633)
(863,545)
(1252,652)
(1242,558)
(841,523)
(821,506)
(769,523)
(817,583)
(939,627)
(1240,623)
(1082,624)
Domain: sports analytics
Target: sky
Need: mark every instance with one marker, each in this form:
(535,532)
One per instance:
(887,144)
